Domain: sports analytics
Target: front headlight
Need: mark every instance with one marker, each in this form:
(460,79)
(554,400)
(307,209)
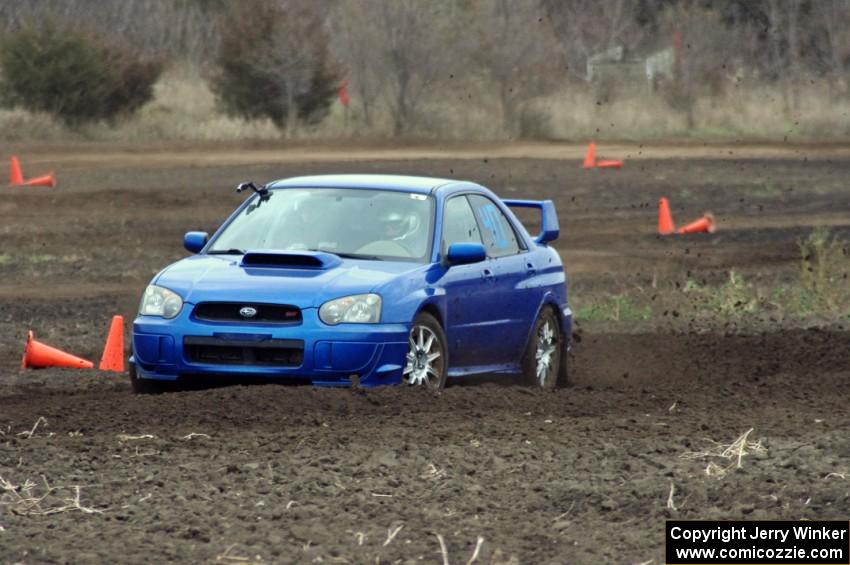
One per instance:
(159,301)
(357,309)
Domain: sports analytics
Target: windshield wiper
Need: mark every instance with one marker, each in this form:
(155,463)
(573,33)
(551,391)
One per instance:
(348,255)
(233,251)
(357,256)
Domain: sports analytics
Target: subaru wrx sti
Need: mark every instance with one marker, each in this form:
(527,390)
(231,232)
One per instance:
(361,280)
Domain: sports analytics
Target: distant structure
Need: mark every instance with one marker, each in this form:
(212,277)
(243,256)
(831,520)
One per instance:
(619,65)
(661,65)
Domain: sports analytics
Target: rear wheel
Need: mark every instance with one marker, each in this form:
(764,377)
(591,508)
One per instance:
(427,361)
(544,363)
(146,386)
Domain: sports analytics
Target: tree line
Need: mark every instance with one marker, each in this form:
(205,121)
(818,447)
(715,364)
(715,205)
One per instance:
(285,60)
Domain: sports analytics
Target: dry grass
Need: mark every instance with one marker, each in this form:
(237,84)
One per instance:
(29,433)
(443,551)
(20,125)
(478,543)
(123,438)
(670,504)
(229,556)
(27,499)
(193,435)
(184,108)
(755,112)
(732,453)
(392,533)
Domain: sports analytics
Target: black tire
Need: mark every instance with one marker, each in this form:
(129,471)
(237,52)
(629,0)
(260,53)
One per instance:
(147,386)
(546,346)
(421,368)
(564,370)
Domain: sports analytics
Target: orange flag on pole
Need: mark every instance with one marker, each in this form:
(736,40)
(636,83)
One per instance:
(343,93)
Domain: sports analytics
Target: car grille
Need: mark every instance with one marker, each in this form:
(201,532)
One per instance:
(266,313)
(270,352)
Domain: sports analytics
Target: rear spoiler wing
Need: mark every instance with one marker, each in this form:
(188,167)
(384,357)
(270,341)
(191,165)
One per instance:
(549,227)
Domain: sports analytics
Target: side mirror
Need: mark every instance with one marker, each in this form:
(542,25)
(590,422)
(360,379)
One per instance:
(194,241)
(465,253)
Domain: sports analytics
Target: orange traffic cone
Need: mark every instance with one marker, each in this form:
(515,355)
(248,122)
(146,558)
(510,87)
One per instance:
(38,356)
(46,180)
(703,225)
(609,164)
(16,177)
(665,217)
(590,156)
(113,353)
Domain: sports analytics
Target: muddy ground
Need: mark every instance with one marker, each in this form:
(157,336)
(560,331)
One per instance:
(293,474)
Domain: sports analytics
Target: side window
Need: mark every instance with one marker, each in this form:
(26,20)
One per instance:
(499,236)
(459,225)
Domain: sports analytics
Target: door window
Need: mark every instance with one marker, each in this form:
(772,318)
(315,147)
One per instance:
(499,236)
(459,225)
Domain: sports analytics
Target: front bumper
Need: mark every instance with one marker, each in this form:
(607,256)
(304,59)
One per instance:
(371,354)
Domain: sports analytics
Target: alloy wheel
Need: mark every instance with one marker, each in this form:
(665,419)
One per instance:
(545,354)
(425,358)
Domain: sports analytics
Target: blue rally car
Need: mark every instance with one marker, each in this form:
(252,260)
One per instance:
(361,280)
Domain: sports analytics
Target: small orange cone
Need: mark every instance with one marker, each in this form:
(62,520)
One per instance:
(703,225)
(38,356)
(609,164)
(46,180)
(16,177)
(590,156)
(665,217)
(113,353)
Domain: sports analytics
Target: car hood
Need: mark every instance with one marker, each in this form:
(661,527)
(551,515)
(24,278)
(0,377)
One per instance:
(204,278)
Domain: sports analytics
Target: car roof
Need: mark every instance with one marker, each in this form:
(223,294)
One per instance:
(421,185)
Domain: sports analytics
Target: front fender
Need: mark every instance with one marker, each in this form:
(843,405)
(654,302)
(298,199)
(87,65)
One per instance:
(403,298)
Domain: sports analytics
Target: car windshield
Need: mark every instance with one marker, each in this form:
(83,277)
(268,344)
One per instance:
(353,223)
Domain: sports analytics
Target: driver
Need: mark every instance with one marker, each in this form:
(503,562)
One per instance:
(394,225)
(402,226)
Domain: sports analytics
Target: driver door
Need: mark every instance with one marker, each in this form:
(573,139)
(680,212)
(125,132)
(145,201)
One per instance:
(470,292)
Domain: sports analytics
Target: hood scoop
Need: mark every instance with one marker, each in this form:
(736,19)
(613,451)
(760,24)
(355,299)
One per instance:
(290,259)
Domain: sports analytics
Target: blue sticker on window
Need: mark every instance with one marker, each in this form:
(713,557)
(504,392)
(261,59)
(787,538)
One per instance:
(490,219)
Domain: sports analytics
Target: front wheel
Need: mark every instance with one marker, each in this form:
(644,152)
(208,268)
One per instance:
(427,361)
(544,363)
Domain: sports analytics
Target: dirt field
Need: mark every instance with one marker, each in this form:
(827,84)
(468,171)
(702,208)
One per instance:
(272,474)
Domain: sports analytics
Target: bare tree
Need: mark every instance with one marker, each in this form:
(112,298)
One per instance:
(833,35)
(709,52)
(175,29)
(404,46)
(273,62)
(515,45)
(784,41)
(355,49)
(401,55)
